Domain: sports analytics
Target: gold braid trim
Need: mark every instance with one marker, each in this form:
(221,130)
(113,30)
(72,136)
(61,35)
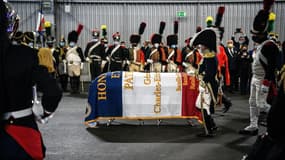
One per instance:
(282,78)
(209,55)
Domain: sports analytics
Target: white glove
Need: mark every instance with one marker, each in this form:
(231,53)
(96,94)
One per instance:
(81,65)
(191,72)
(163,68)
(103,64)
(43,119)
(185,64)
(149,61)
(108,59)
(88,60)
(265,86)
(128,62)
(64,61)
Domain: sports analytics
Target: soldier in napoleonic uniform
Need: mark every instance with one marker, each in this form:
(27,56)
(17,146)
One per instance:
(263,68)
(191,60)
(208,69)
(137,60)
(146,49)
(54,52)
(62,66)
(117,55)
(75,59)
(208,39)
(95,53)
(174,56)
(156,60)
(19,134)
(29,39)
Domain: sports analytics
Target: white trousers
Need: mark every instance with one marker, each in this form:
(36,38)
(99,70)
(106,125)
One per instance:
(257,101)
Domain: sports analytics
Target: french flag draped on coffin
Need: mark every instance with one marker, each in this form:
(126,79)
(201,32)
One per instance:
(137,95)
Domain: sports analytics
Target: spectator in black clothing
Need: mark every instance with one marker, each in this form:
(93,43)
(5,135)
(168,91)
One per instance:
(146,49)
(232,55)
(239,38)
(244,62)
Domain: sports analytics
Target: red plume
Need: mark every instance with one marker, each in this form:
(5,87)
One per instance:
(175,27)
(267,4)
(79,29)
(219,16)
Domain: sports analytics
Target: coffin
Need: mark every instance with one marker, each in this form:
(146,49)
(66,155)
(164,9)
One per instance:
(139,96)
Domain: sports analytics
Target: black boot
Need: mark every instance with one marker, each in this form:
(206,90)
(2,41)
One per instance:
(227,103)
(249,132)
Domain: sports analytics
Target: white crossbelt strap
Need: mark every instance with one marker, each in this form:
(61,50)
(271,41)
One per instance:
(94,46)
(170,55)
(114,50)
(189,54)
(18,114)
(152,52)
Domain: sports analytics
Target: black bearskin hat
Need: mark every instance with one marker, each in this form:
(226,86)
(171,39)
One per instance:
(72,36)
(135,38)
(260,23)
(156,38)
(172,40)
(207,37)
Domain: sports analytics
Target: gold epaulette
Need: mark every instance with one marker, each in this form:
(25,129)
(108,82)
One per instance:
(209,55)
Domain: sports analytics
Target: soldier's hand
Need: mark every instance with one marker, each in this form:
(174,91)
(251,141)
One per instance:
(265,86)
(43,119)
(88,60)
(185,64)
(149,61)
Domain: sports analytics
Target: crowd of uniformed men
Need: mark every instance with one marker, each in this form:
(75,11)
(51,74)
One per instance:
(152,56)
(231,64)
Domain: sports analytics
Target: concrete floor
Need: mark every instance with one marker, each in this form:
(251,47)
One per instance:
(66,137)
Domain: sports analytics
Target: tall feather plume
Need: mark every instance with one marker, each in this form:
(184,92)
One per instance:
(175,27)
(142,28)
(267,4)
(79,29)
(219,16)
(161,27)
